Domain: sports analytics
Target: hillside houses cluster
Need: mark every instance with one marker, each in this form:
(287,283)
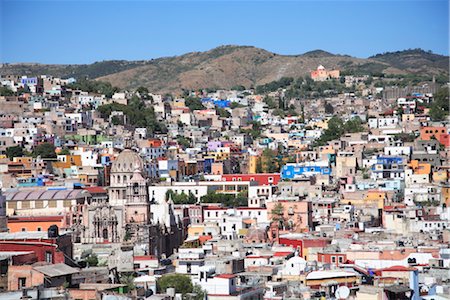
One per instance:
(246,202)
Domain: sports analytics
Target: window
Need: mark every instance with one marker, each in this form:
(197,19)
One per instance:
(39,229)
(38,204)
(12,205)
(52,203)
(48,257)
(22,282)
(67,203)
(25,204)
(333,259)
(136,188)
(340,259)
(23,229)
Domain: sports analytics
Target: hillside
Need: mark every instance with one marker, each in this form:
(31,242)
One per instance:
(94,70)
(414,60)
(227,66)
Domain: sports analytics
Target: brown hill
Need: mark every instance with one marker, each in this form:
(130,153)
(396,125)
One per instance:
(227,66)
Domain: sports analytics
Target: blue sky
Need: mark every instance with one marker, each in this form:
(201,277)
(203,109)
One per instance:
(88,31)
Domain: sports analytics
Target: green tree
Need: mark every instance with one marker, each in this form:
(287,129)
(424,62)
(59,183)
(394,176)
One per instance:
(238,88)
(270,102)
(194,103)
(14,151)
(227,200)
(199,293)
(269,161)
(183,141)
(353,125)
(181,283)
(45,150)
(64,151)
(137,113)
(181,198)
(92,260)
(235,105)
(5,91)
(440,106)
(278,215)
(329,109)
(94,86)
(128,280)
(115,120)
(144,94)
(223,112)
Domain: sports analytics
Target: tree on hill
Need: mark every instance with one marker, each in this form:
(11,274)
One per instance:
(144,93)
(278,215)
(269,161)
(440,106)
(336,128)
(137,113)
(353,125)
(94,86)
(329,109)
(45,150)
(5,91)
(194,103)
(181,198)
(227,200)
(14,151)
(181,283)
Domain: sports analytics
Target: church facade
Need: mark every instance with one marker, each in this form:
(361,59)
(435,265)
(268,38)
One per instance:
(129,215)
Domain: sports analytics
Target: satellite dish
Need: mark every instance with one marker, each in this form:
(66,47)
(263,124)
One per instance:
(342,292)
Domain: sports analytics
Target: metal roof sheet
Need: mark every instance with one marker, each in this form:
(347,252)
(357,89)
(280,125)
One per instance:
(56,270)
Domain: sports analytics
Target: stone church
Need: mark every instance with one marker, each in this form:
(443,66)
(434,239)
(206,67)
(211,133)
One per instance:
(150,223)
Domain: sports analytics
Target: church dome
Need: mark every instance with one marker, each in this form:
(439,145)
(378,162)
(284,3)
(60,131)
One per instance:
(126,162)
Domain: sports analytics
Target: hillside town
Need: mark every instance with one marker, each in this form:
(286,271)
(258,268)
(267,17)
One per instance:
(329,186)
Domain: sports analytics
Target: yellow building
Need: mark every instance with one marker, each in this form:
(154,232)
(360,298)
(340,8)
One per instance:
(253,162)
(372,198)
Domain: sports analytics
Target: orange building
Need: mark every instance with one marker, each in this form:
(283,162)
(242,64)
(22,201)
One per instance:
(37,223)
(426,133)
(67,161)
(420,168)
(322,74)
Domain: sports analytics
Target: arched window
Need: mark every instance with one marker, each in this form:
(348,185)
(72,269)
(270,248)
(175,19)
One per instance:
(136,188)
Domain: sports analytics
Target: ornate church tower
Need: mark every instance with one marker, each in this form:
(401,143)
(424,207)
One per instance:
(137,206)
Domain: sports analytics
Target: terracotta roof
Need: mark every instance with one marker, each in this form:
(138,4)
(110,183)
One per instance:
(398,269)
(282,253)
(225,276)
(145,257)
(95,190)
(17,219)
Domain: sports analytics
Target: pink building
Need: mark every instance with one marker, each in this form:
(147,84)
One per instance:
(293,215)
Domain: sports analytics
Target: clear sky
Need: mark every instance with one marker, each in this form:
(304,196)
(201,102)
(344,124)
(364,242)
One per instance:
(87,31)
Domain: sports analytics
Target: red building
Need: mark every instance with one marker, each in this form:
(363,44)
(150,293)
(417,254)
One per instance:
(444,139)
(332,258)
(46,249)
(262,179)
(301,244)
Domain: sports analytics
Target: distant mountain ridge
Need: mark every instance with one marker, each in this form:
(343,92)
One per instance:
(227,66)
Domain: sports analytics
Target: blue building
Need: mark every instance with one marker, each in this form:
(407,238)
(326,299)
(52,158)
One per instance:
(388,167)
(292,171)
(29,81)
(218,102)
